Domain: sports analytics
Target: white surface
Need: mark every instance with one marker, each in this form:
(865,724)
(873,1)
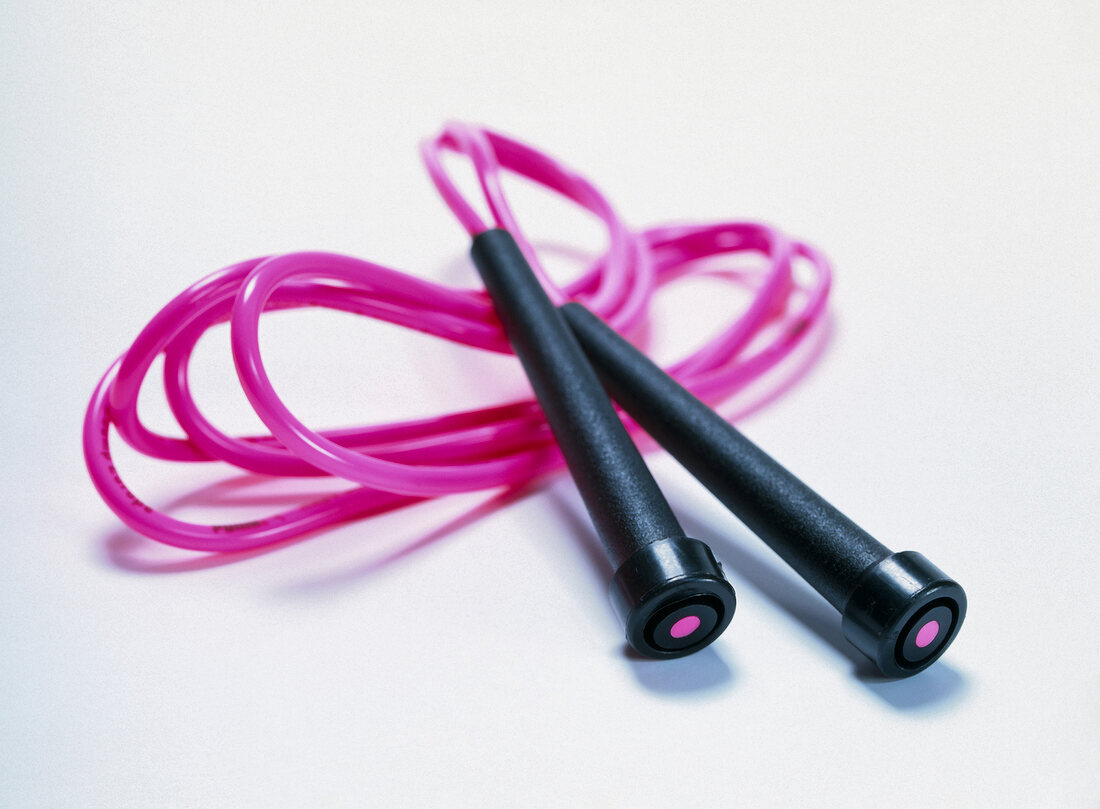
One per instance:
(944,157)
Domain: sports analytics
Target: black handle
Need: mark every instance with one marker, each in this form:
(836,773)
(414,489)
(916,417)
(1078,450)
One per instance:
(899,609)
(665,583)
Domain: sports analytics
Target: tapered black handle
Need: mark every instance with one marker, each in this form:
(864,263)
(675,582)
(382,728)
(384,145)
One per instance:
(665,583)
(899,609)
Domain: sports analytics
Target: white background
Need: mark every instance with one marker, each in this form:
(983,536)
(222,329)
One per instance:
(943,155)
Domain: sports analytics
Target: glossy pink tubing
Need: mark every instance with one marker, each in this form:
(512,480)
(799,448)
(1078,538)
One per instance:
(398,464)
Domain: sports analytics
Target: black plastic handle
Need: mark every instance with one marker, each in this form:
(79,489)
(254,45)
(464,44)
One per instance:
(669,590)
(898,608)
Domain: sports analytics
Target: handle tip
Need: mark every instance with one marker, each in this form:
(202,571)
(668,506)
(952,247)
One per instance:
(903,613)
(672,598)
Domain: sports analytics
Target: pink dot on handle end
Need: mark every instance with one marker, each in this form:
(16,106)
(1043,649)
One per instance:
(927,633)
(685,626)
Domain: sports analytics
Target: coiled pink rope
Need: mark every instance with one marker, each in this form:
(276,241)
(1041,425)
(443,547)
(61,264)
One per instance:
(400,463)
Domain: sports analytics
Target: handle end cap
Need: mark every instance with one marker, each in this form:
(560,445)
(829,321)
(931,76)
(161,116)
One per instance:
(903,613)
(672,598)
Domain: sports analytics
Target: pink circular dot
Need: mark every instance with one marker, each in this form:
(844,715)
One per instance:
(685,626)
(927,633)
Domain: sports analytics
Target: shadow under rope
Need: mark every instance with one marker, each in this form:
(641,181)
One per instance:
(125,549)
(466,518)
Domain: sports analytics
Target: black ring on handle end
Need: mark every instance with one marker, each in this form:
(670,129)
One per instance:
(672,598)
(903,613)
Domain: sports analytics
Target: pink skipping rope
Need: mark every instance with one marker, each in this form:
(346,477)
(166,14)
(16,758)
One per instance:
(402,463)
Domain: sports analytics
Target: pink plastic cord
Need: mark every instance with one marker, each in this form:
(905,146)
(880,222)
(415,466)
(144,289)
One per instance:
(401,463)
